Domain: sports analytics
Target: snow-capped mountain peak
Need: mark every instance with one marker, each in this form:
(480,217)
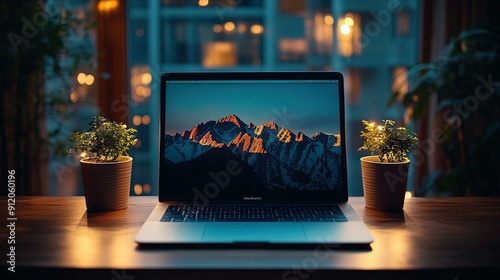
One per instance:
(285,135)
(272,156)
(244,142)
(300,137)
(271,125)
(208,140)
(329,140)
(233,119)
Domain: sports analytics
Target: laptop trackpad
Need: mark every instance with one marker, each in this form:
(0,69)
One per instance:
(254,232)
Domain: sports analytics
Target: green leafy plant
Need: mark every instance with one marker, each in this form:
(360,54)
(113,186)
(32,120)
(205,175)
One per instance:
(44,43)
(104,141)
(462,82)
(392,144)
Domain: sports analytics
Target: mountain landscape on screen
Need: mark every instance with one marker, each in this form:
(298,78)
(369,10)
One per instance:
(269,157)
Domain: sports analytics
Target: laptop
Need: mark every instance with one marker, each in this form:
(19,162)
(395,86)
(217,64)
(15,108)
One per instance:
(252,158)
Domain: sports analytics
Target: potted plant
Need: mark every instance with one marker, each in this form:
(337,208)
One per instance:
(105,165)
(385,175)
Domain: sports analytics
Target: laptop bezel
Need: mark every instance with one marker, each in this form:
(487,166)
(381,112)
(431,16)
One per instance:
(305,197)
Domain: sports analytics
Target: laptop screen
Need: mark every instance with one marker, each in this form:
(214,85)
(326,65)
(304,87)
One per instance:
(252,137)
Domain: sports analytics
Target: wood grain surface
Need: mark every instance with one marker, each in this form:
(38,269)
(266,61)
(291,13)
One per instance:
(433,238)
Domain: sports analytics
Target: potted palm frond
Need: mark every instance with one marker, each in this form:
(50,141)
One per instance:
(105,164)
(385,175)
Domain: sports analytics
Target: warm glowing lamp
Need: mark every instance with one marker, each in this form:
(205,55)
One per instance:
(328,19)
(107,5)
(345,29)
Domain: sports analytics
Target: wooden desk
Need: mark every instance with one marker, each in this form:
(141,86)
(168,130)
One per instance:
(435,238)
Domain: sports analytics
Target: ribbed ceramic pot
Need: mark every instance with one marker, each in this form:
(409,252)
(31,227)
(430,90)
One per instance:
(384,183)
(106,185)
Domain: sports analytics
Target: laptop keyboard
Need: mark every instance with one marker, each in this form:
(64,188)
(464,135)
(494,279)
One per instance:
(253,213)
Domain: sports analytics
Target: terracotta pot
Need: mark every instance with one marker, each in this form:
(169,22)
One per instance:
(384,183)
(106,185)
